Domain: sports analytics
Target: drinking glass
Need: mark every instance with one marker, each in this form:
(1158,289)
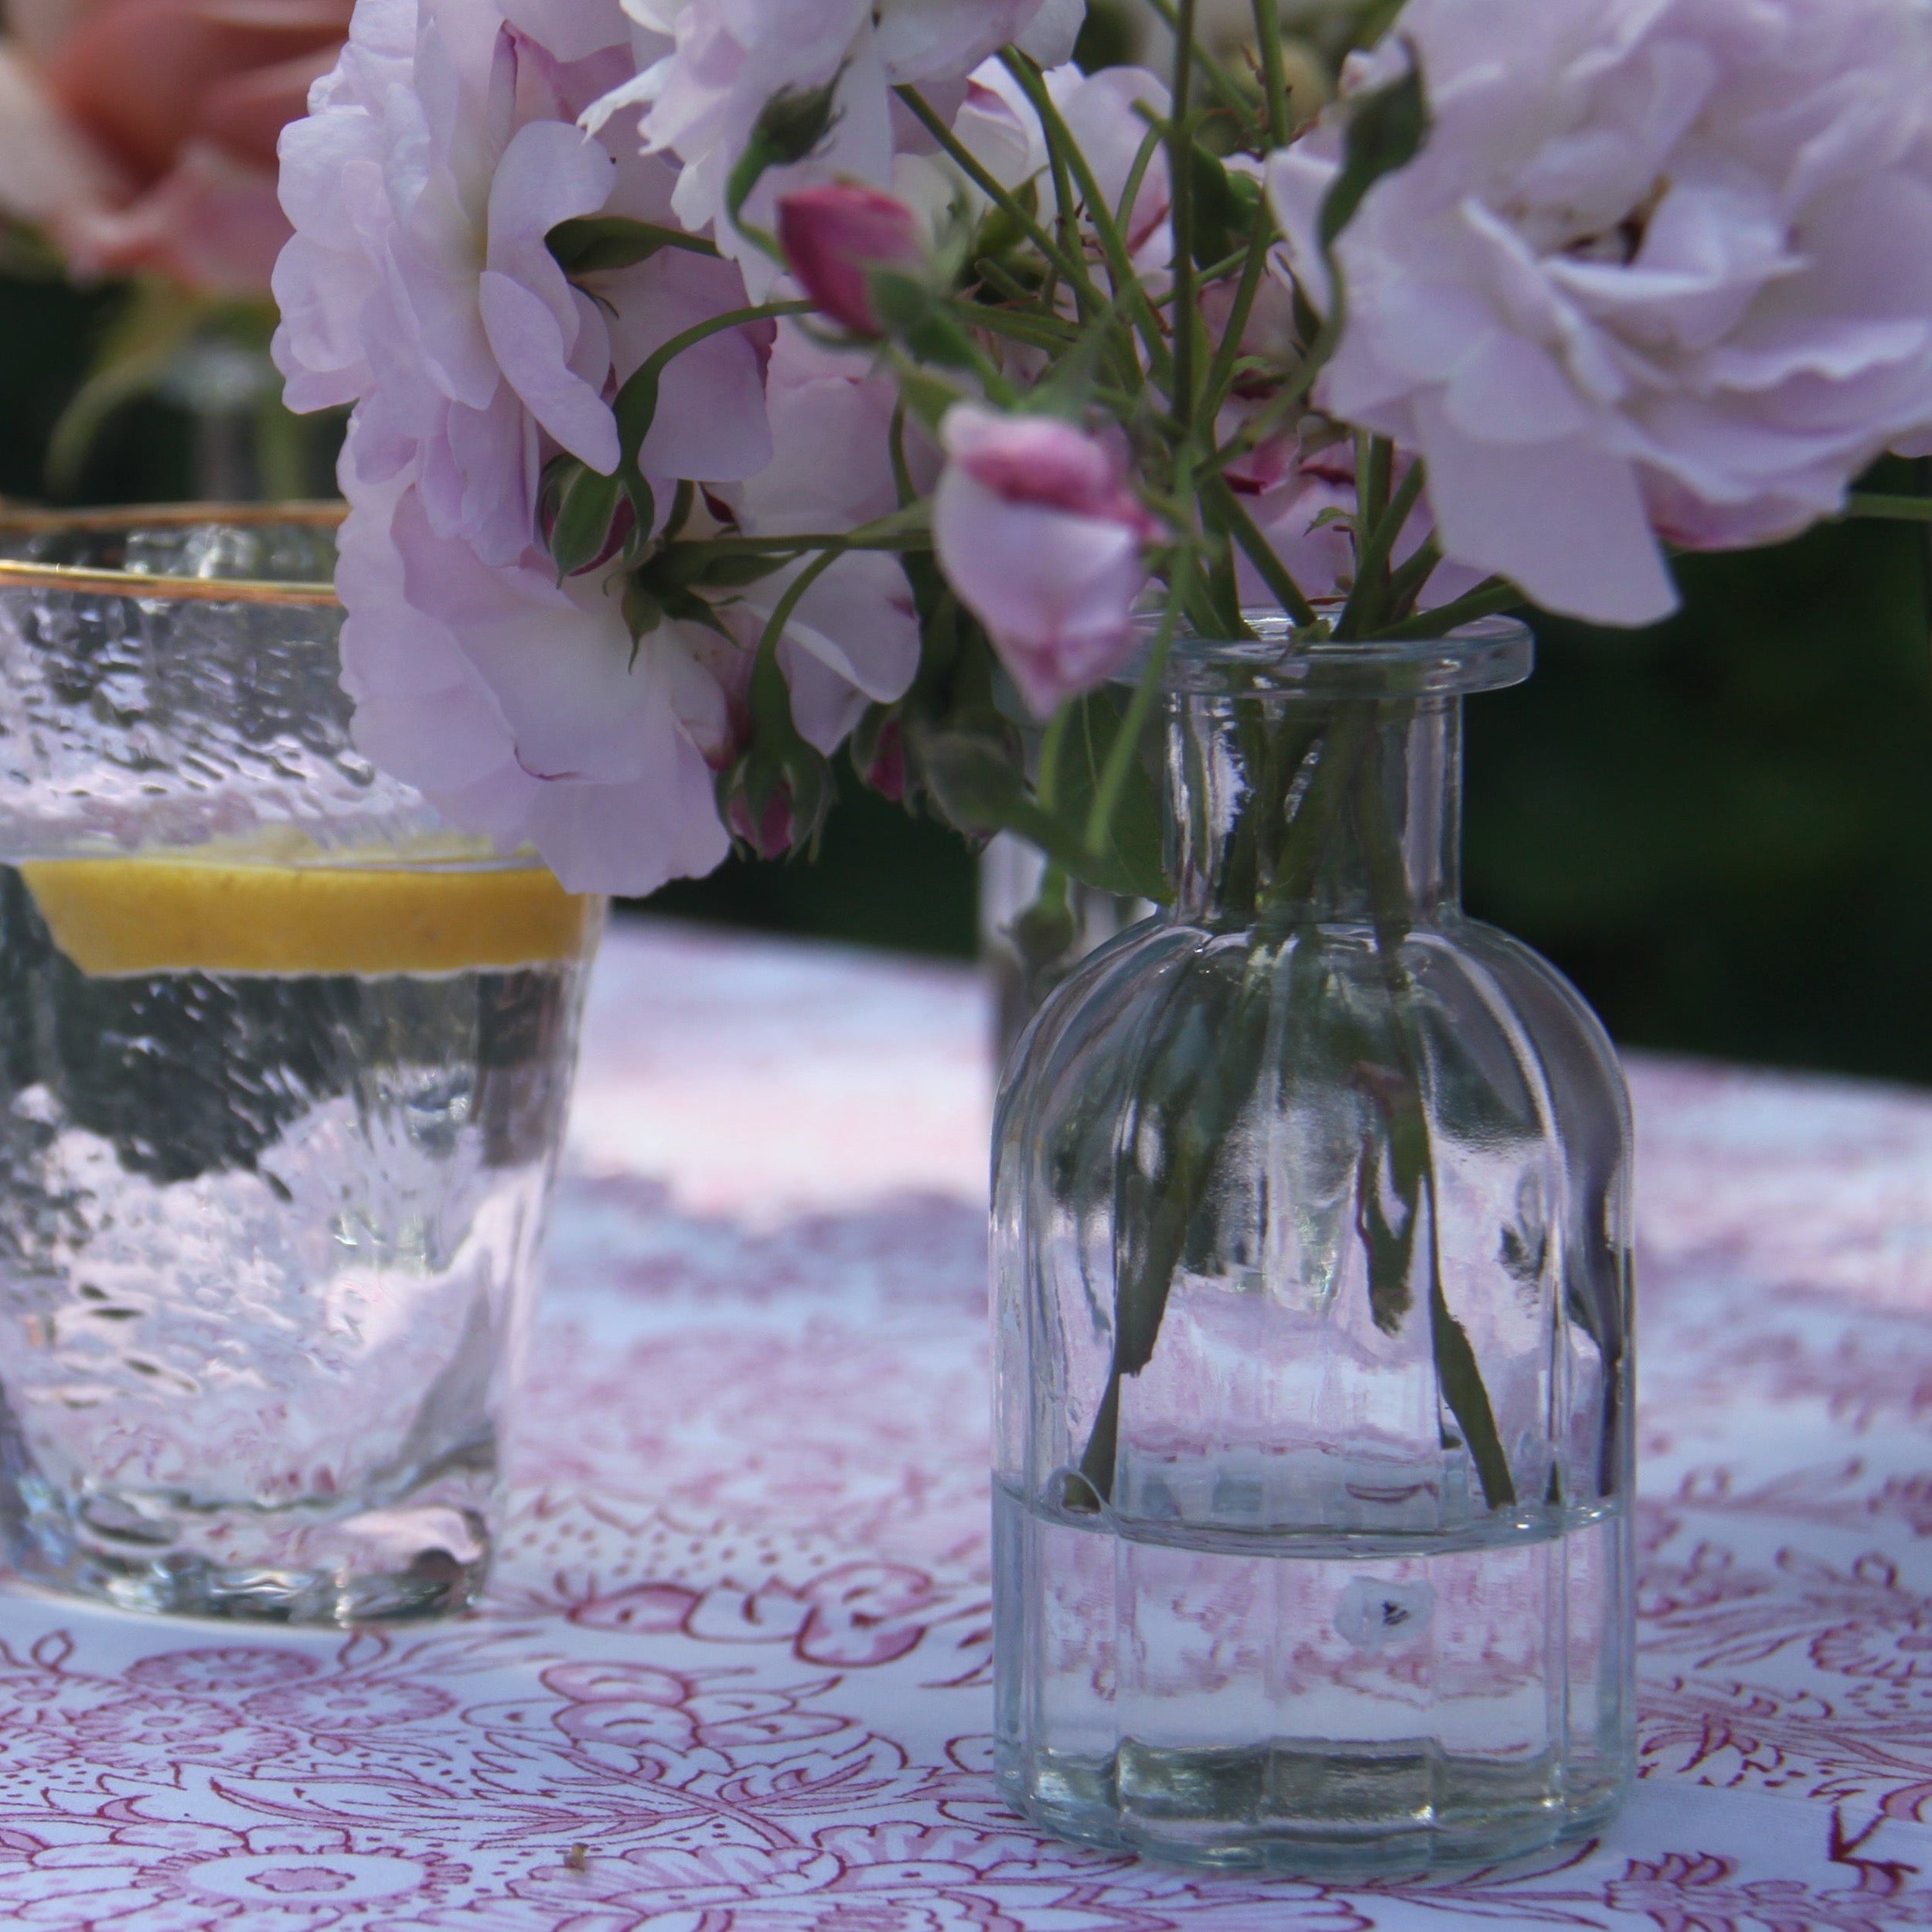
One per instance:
(283,1065)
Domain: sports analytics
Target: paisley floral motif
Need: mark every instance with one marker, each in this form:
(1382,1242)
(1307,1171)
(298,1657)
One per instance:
(732,1675)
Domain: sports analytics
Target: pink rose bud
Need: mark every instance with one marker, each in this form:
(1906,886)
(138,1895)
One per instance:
(834,235)
(1042,539)
(886,774)
(770,834)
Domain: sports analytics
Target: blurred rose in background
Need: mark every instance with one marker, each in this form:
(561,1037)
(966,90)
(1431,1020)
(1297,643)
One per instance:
(138,136)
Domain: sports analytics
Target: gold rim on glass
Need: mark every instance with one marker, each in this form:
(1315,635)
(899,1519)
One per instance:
(145,587)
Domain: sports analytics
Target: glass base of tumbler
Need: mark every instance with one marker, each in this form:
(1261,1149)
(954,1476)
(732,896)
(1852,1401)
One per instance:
(428,1554)
(1294,1810)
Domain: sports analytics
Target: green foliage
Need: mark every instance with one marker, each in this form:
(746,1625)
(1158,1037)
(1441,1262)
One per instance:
(590,243)
(579,507)
(147,446)
(919,319)
(980,788)
(1216,211)
(151,328)
(795,121)
(51,331)
(1109,38)
(1386,131)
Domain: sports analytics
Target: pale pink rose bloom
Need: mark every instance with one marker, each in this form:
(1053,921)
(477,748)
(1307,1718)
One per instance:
(853,641)
(922,41)
(707,70)
(438,156)
(998,126)
(1042,539)
(835,234)
(213,225)
(441,152)
(1661,269)
(140,133)
(719,66)
(710,422)
(1297,496)
(49,171)
(335,192)
(831,468)
(513,705)
(573,32)
(37,27)
(854,638)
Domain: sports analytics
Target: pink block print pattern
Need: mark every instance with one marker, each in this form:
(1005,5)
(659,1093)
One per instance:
(732,1676)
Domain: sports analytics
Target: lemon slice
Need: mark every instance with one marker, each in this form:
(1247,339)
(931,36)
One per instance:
(114,917)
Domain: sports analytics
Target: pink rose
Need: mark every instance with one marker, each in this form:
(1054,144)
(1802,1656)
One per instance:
(706,73)
(854,637)
(1039,534)
(1659,271)
(834,234)
(1301,498)
(1105,114)
(142,134)
(438,155)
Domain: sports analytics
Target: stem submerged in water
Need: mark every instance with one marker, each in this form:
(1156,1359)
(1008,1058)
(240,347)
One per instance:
(1458,1374)
(1306,791)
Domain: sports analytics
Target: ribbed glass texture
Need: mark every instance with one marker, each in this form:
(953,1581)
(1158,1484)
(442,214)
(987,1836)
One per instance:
(1312,1266)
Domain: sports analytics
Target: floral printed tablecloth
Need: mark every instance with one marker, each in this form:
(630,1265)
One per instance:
(733,1677)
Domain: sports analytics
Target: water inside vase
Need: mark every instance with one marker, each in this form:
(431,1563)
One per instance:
(1347,1702)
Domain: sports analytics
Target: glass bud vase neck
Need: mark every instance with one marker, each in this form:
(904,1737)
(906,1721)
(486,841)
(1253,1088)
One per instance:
(1404,857)
(1311,1245)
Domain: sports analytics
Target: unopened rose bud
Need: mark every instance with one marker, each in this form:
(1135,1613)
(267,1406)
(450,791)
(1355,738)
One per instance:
(886,773)
(834,235)
(1040,535)
(796,119)
(768,834)
(775,799)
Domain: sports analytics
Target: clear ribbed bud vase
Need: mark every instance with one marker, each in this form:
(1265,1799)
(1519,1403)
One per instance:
(1312,1255)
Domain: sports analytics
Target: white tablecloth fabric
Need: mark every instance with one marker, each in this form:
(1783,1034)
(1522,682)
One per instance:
(733,1676)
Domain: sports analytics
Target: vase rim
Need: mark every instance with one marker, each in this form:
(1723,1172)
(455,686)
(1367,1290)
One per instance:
(1489,655)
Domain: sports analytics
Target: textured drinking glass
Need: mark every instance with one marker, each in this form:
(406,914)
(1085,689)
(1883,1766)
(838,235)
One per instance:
(283,1065)
(1312,1258)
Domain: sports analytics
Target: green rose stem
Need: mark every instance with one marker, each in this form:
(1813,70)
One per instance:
(1234,96)
(1069,265)
(1412,1153)
(1274,73)
(1129,289)
(1884,509)
(1180,170)
(1193,1095)
(1189,1099)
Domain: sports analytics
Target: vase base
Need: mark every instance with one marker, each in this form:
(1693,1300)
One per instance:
(1295,1811)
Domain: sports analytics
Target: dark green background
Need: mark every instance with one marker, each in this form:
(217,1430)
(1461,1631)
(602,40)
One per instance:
(1722,829)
